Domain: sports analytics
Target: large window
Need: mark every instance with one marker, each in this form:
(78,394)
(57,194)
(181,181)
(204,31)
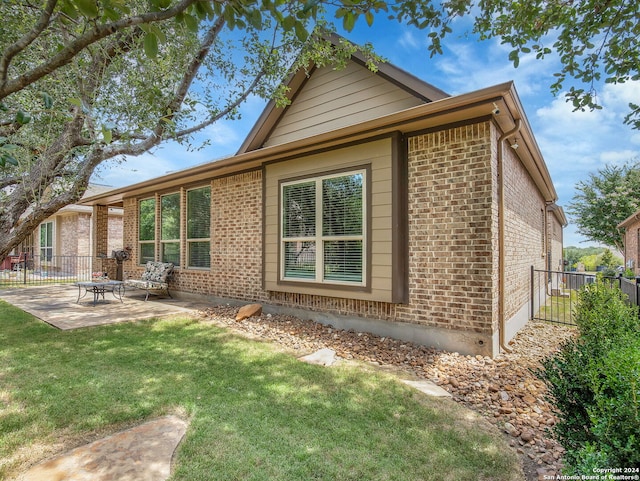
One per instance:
(323,229)
(147,230)
(170,228)
(162,234)
(199,227)
(46,241)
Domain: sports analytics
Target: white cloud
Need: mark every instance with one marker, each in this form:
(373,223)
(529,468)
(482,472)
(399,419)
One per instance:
(619,96)
(408,40)
(165,159)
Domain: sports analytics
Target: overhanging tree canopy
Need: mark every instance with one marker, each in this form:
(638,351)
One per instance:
(83,81)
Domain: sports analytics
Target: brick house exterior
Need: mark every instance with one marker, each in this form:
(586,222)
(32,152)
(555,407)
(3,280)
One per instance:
(70,232)
(631,227)
(454,212)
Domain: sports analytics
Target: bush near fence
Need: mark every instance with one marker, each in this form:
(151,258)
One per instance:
(594,383)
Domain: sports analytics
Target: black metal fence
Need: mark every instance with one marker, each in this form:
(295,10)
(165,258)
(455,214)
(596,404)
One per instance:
(26,270)
(554,293)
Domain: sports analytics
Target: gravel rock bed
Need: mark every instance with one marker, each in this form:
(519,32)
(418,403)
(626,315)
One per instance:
(503,390)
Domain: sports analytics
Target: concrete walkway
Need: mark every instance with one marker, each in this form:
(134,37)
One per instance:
(142,453)
(57,305)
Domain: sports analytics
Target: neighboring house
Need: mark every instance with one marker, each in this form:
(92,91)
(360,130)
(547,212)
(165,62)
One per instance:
(557,222)
(631,227)
(69,233)
(374,201)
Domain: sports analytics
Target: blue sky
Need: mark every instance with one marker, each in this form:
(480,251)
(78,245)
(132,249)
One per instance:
(573,144)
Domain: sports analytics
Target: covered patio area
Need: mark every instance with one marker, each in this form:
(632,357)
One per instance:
(57,305)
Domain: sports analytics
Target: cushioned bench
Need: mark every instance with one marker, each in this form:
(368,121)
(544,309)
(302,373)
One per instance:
(153,279)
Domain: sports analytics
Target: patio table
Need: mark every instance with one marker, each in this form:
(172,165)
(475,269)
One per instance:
(98,288)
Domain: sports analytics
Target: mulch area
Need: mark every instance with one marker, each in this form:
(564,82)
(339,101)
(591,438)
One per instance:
(504,390)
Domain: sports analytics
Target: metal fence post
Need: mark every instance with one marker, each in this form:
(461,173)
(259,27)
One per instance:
(25,255)
(533,308)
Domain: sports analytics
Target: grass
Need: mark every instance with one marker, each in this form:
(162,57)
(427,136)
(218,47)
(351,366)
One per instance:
(559,308)
(255,413)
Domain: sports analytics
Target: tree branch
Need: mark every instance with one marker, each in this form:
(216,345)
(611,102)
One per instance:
(7,87)
(213,119)
(174,106)
(26,40)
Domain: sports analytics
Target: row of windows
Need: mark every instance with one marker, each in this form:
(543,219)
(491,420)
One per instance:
(168,237)
(322,232)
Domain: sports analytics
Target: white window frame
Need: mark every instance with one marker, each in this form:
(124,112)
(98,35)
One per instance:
(46,250)
(319,239)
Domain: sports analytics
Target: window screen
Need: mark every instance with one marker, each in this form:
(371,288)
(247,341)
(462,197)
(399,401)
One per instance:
(170,228)
(199,227)
(147,230)
(323,229)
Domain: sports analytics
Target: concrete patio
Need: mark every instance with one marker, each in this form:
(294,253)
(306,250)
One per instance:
(57,305)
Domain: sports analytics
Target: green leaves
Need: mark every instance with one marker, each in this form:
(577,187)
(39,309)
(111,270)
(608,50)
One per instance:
(23,117)
(605,200)
(151,45)
(154,36)
(6,153)
(514,56)
(88,8)
(47,100)
(107,134)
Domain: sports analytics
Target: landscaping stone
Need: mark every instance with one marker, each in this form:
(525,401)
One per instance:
(503,390)
(323,357)
(142,453)
(428,387)
(248,311)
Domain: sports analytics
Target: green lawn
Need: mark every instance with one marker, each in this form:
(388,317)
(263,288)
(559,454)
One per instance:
(255,413)
(559,308)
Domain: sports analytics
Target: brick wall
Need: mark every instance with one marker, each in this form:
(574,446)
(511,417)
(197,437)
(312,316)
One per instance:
(236,243)
(556,239)
(74,234)
(100,221)
(68,235)
(450,230)
(115,239)
(453,241)
(525,229)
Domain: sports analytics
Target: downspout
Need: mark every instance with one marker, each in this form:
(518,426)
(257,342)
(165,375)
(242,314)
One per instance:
(501,223)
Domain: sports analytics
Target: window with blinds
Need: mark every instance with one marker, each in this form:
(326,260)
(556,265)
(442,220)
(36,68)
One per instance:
(323,226)
(199,227)
(170,228)
(147,230)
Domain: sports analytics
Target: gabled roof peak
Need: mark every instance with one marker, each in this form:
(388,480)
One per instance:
(399,80)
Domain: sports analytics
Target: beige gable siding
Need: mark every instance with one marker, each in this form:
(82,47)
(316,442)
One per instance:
(377,157)
(333,99)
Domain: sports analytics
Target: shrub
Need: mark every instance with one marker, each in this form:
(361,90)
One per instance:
(594,383)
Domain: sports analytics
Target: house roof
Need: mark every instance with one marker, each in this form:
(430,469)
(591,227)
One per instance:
(93,190)
(271,115)
(558,211)
(500,103)
(629,220)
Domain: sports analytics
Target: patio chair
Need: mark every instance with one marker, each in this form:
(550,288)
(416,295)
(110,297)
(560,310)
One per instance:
(153,279)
